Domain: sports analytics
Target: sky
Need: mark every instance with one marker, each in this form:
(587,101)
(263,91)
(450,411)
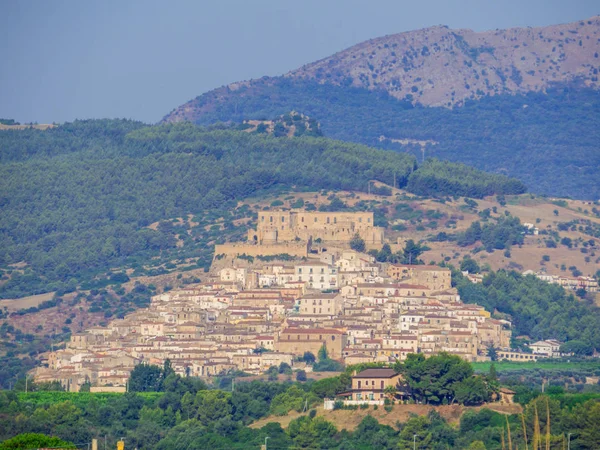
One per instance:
(139,59)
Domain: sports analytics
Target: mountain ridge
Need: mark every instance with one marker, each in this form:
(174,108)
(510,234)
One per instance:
(439,66)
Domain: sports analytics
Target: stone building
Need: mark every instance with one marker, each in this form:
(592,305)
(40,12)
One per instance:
(300,340)
(436,278)
(288,226)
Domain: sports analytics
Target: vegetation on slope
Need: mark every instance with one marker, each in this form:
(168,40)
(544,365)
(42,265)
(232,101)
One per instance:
(536,308)
(188,413)
(435,177)
(548,140)
(78,200)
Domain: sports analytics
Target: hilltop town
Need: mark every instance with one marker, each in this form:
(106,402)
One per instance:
(254,316)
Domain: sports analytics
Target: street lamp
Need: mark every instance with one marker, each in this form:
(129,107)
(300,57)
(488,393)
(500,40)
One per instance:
(266,442)
(414,441)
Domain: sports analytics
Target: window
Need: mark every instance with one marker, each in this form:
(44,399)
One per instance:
(271,219)
(369,220)
(359,384)
(335,220)
(315,219)
(283,219)
(263,218)
(299,269)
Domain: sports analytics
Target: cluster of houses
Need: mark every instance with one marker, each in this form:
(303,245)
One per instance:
(589,284)
(249,319)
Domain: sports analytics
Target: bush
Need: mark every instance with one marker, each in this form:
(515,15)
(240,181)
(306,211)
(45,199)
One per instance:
(301,375)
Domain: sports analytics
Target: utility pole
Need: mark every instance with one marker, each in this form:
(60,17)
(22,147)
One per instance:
(26,384)
(414,441)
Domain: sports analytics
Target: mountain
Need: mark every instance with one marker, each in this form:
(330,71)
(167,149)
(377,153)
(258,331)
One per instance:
(522,102)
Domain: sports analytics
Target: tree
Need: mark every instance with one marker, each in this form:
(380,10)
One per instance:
(285,368)
(308,357)
(471,391)
(212,405)
(469,265)
(390,392)
(322,354)
(34,440)
(492,352)
(301,376)
(145,378)
(577,347)
(411,252)
(357,243)
(433,380)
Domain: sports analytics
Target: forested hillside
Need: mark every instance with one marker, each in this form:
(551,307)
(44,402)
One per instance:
(548,140)
(78,199)
(535,308)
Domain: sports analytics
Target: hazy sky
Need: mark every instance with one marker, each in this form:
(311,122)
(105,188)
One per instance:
(139,59)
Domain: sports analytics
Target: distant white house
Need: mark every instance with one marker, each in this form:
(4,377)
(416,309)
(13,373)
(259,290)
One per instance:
(549,347)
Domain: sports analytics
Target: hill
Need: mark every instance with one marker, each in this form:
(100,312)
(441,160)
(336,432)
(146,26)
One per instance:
(438,66)
(97,197)
(525,95)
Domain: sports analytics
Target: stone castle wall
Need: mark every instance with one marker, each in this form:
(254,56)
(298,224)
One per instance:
(287,226)
(299,249)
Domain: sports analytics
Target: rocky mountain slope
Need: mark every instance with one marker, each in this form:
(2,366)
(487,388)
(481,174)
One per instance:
(438,66)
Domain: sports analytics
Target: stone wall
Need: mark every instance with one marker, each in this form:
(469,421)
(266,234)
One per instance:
(298,249)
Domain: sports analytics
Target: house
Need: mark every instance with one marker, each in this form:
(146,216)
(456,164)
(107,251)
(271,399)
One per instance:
(434,277)
(549,347)
(506,396)
(318,275)
(300,340)
(369,386)
(314,304)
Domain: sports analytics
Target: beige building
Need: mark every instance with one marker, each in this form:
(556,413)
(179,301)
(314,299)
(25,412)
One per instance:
(370,384)
(300,340)
(434,277)
(320,304)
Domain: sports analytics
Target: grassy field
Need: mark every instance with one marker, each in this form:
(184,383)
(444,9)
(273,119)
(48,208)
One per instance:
(80,399)
(509,366)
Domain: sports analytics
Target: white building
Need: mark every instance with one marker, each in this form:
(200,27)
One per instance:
(318,275)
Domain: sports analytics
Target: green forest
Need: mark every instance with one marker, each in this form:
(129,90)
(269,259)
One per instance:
(534,137)
(77,200)
(167,411)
